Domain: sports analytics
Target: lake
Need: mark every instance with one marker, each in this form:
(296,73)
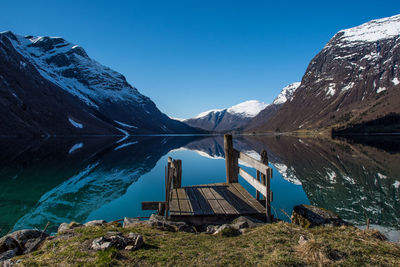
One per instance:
(81,179)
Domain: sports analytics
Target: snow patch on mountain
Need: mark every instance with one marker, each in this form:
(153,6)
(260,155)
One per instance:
(125,125)
(348,87)
(287,173)
(125,145)
(373,30)
(75,124)
(248,109)
(380,90)
(124,132)
(286,93)
(75,147)
(331,90)
(205,113)
(381,176)
(177,119)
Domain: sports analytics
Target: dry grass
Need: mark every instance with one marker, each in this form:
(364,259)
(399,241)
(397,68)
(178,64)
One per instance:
(271,245)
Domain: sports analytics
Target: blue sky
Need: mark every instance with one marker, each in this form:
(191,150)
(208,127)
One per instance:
(191,56)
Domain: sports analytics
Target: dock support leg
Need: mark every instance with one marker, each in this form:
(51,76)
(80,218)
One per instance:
(266,180)
(231,160)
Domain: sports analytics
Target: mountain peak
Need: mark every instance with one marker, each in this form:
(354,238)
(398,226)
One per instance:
(286,93)
(248,108)
(372,31)
(221,120)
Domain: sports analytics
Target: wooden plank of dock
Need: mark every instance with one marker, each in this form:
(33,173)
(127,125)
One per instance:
(220,199)
(174,204)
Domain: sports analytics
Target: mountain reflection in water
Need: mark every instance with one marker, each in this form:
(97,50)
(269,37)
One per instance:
(65,179)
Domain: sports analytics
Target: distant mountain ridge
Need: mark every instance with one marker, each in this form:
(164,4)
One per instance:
(354,79)
(52,87)
(242,116)
(233,118)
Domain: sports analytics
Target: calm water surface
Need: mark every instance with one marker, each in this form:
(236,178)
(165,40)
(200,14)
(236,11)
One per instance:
(69,179)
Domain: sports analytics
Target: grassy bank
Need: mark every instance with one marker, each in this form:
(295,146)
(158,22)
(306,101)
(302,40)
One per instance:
(273,245)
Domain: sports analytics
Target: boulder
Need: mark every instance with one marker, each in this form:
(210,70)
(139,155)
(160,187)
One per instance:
(135,241)
(101,243)
(227,230)
(162,224)
(74,225)
(95,223)
(8,255)
(118,241)
(128,222)
(311,216)
(65,227)
(22,236)
(211,229)
(246,222)
(9,243)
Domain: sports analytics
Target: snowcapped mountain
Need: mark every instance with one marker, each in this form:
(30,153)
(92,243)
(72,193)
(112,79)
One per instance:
(286,95)
(223,120)
(353,80)
(53,87)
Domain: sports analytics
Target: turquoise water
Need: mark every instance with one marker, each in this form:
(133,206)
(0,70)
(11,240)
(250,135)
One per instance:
(69,179)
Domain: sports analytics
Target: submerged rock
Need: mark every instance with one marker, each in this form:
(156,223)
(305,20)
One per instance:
(310,216)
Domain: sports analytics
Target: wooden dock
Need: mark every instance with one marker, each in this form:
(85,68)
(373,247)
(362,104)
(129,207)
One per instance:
(213,203)
(220,202)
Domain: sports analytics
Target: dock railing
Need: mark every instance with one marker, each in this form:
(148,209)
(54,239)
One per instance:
(264,173)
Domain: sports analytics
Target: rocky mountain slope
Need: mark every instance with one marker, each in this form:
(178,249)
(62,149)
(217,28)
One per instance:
(49,86)
(223,120)
(354,79)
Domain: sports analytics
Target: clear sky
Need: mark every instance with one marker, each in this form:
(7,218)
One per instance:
(190,56)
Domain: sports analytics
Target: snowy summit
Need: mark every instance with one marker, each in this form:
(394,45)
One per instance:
(235,117)
(248,109)
(373,30)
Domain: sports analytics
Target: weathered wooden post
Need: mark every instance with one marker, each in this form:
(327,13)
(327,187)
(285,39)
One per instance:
(266,180)
(177,171)
(231,160)
(161,208)
(167,185)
